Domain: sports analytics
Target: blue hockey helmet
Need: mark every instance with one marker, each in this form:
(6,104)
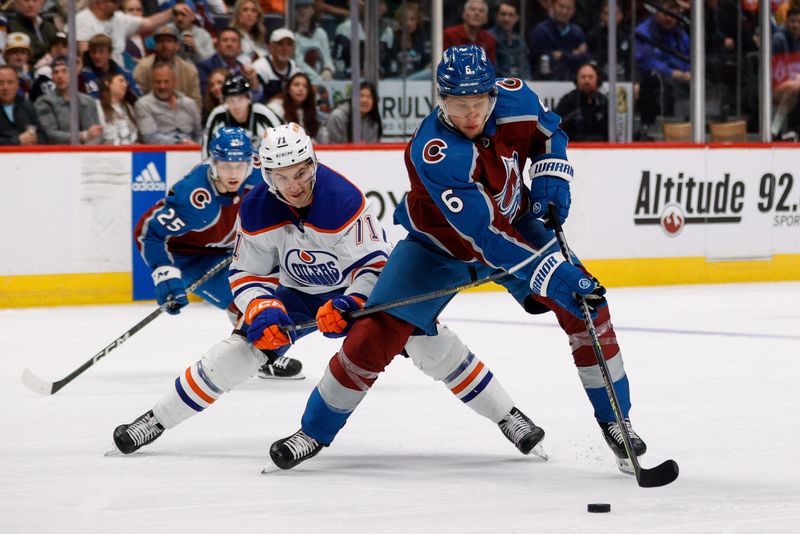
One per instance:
(231,144)
(464,71)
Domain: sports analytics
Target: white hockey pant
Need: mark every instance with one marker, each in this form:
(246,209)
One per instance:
(224,366)
(445,358)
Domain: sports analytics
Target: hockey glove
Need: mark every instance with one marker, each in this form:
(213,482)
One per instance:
(330,320)
(169,288)
(547,189)
(265,316)
(564,283)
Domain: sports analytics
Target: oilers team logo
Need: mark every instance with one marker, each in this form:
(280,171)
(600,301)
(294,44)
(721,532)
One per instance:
(313,267)
(672,220)
(508,200)
(433,152)
(200,198)
(512,84)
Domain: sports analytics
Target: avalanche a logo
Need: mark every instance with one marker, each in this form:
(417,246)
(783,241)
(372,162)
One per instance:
(508,200)
(672,220)
(313,267)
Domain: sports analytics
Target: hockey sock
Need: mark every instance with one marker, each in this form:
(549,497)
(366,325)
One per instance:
(193,393)
(474,384)
(369,347)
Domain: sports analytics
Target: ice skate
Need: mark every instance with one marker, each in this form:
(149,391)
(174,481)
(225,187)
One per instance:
(613,435)
(288,452)
(523,433)
(281,368)
(143,431)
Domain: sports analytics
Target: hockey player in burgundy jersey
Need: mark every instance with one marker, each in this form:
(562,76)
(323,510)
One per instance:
(194,227)
(308,247)
(469,214)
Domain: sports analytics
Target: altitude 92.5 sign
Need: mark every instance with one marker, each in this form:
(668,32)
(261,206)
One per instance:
(776,193)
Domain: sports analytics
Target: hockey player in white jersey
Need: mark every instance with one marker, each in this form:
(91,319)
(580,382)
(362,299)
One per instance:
(308,247)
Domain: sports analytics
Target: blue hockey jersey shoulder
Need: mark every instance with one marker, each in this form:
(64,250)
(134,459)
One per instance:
(516,101)
(437,149)
(261,211)
(193,195)
(336,201)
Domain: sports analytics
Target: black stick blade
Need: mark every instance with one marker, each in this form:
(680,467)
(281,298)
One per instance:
(658,476)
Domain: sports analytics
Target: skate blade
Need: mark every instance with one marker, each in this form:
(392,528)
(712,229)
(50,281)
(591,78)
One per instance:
(270,468)
(539,452)
(625,466)
(299,376)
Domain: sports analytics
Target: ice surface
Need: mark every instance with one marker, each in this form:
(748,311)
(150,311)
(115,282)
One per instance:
(714,377)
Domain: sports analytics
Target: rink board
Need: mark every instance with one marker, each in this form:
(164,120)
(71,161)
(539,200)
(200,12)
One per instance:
(640,216)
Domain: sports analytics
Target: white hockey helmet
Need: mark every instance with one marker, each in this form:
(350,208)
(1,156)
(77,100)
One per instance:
(284,146)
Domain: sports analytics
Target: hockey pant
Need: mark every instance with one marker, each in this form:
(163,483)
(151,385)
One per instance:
(443,357)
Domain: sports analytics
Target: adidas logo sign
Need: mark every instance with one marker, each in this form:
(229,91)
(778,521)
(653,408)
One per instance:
(149,180)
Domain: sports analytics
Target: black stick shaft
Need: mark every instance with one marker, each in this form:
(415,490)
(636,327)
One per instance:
(135,328)
(425,296)
(597,348)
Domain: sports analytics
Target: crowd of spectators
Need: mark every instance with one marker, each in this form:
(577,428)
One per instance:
(155,72)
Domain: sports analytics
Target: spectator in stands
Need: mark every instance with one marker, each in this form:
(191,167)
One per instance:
(786,78)
(26,19)
(166,51)
(386,43)
(662,58)
(584,111)
(136,46)
(273,6)
(54,114)
(97,64)
(475,16)
(312,49)
(512,52)
(196,42)
(165,116)
(115,113)
(275,69)
(18,122)
(229,46)
(18,55)
(249,20)
(597,40)
(213,95)
(101,17)
(557,46)
(3,32)
(339,9)
(781,13)
(42,71)
(298,103)
(239,110)
(413,48)
(338,127)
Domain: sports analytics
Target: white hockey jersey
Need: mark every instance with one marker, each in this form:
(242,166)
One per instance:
(335,243)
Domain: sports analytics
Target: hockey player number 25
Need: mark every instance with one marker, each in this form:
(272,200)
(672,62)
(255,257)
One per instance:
(452,202)
(169,221)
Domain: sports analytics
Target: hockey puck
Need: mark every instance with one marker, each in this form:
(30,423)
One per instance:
(599,508)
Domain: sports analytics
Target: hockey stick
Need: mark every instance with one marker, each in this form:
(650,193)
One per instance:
(660,475)
(34,383)
(426,296)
